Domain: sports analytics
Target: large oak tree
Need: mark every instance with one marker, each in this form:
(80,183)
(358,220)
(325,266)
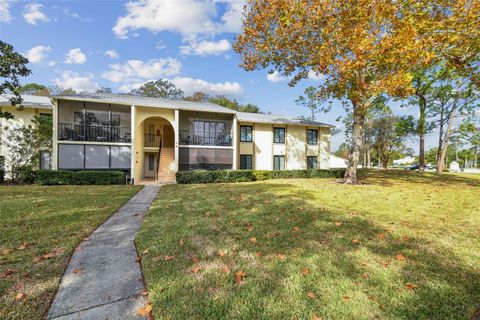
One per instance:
(364,48)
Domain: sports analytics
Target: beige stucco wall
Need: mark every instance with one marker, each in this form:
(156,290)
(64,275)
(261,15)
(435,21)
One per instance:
(324,145)
(296,156)
(263,146)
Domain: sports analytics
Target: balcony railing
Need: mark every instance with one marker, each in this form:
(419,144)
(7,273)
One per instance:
(151,140)
(202,138)
(96,133)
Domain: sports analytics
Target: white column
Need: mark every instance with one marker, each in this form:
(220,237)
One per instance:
(176,132)
(55,135)
(234,143)
(132,137)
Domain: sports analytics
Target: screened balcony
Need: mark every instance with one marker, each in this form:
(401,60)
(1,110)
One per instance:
(95,122)
(205,129)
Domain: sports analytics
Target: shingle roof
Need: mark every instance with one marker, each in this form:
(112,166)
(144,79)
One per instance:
(127,99)
(29,101)
(277,119)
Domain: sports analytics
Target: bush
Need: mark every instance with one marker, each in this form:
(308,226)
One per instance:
(226,176)
(206,176)
(62,177)
(24,174)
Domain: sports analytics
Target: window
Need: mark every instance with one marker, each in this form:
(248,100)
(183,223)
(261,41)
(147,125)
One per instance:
(245,133)
(208,132)
(312,136)
(278,162)
(279,135)
(246,162)
(311,162)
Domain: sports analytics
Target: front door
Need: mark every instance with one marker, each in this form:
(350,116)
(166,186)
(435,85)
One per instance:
(151,162)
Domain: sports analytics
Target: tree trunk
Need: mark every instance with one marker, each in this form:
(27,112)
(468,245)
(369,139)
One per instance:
(357,139)
(440,139)
(385,162)
(447,135)
(421,132)
(368,157)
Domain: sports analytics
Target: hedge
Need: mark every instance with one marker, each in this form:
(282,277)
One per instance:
(226,176)
(62,177)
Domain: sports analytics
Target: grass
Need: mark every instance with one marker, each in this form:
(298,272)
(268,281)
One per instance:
(400,246)
(40,227)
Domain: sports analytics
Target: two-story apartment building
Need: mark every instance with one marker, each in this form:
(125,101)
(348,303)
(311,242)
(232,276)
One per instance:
(152,138)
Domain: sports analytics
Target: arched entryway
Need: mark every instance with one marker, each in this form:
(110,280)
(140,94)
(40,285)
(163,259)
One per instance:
(158,150)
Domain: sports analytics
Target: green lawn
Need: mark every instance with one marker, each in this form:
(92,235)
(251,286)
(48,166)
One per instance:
(400,246)
(39,229)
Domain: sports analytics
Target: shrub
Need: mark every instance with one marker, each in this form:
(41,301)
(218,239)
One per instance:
(24,174)
(206,176)
(62,177)
(226,176)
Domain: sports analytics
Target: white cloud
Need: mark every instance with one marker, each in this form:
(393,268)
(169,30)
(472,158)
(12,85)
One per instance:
(5,11)
(112,54)
(275,77)
(75,15)
(204,48)
(134,71)
(160,45)
(315,75)
(37,54)
(75,56)
(188,17)
(77,82)
(33,14)
(52,63)
(190,85)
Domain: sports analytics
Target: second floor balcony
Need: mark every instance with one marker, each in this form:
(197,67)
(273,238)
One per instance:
(93,133)
(205,138)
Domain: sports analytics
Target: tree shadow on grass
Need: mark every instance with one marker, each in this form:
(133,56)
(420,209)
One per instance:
(387,178)
(356,266)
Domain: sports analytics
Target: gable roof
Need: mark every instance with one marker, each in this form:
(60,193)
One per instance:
(127,99)
(29,101)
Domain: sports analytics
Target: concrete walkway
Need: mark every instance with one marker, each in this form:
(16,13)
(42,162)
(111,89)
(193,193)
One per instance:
(103,279)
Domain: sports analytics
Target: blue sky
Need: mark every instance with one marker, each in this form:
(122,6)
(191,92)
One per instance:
(90,44)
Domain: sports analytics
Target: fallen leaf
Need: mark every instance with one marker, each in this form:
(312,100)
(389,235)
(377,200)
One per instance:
(400,257)
(381,236)
(145,252)
(296,229)
(166,258)
(182,242)
(77,270)
(253,239)
(365,276)
(310,294)
(7,273)
(195,260)
(144,293)
(385,264)
(138,258)
(372,298)
(239,275)
(345,297)
(410,286)
(86,239)
(338,224)
(315,317)
(258,254)
(280,256)
(221,253)
(355,241)
(5,252)
(226,269)
(36,259)
(195,269)
(23,246)
(250,228)
(145,310)
(20,296)
(305,272)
